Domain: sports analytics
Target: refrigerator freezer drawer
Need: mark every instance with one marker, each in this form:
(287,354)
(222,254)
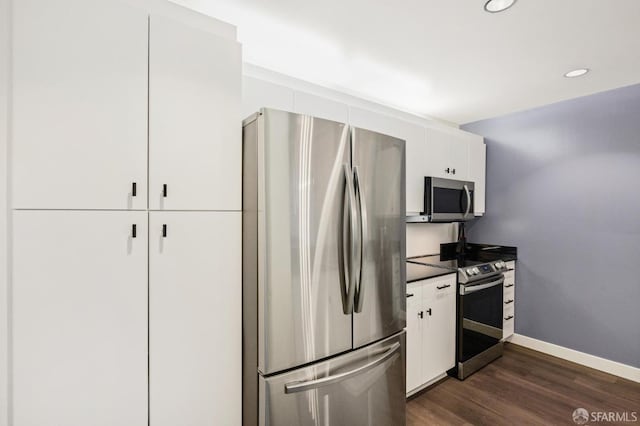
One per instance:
(363,387)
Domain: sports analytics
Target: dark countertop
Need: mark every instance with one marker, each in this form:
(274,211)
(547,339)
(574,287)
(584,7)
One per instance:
(430,266)
(418,272)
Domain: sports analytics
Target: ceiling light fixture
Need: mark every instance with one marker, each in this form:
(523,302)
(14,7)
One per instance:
(577,72)
(495,6)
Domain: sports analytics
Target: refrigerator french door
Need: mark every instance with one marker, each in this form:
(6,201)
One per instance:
(323,249)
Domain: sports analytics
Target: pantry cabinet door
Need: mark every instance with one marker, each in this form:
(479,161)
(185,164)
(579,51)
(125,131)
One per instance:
(79,318)
(195,294)
(79,109)
(195,126)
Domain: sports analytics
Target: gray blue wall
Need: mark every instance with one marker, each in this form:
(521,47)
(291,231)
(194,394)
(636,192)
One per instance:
(563,185)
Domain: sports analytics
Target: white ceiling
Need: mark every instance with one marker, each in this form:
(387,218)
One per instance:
(447,59)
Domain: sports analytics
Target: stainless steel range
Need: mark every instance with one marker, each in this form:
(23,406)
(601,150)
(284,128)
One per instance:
(480,310)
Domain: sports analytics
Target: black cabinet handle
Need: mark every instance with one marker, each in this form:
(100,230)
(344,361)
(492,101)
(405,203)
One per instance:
(164,230)
(164,190)
(448,170)
(508,318)
(134,230)
(509,286)
(440,287)
(428,311)
(421,314)
(508,301)
(453,171)
(410,295)
(134,189)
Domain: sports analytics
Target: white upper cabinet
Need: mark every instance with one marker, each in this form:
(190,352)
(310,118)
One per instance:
(258,94)
(417,154)
(195,125)
(317,106)
(80,318)
(478,171)
(445,153)
(79,105)
(449,154)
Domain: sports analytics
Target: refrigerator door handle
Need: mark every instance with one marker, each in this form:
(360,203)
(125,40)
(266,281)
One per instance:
(364,237)
(349,244)
(294,387)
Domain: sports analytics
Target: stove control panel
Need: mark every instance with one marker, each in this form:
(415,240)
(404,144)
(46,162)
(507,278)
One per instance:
(478,272)
(500,265)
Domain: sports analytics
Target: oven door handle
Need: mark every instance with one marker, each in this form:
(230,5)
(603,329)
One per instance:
(474,288)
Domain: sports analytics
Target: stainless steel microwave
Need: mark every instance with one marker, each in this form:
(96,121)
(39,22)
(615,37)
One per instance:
(448,200)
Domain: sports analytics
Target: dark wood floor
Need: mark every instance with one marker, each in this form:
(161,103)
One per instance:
(524,387)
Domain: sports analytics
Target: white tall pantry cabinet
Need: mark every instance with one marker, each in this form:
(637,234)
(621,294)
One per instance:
(126,159)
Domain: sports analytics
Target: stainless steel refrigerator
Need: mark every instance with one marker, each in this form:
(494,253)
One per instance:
(323,273)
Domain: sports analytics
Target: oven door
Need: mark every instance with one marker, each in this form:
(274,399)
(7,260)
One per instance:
(448,200)
(480,317)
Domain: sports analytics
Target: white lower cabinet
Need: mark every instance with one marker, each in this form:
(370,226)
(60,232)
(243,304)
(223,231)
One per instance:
(431,323)
(79,318)
(195,318)
(509,299)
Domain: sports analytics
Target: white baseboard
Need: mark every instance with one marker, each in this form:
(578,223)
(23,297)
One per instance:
(612,367)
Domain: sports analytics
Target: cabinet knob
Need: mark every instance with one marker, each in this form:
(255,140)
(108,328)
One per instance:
(164,230)
(440,287)
(508,301)
(134,189)
(134,231)
(448,170)
(164,190)
(421,314)
(429,311)
(409,295)
(508,318)
(453,171)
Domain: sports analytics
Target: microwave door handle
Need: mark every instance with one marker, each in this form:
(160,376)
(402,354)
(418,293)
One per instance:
(466,190)
(472,289)
(349,245)
(364,237)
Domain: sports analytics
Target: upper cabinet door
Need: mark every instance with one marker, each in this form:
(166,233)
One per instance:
(79,105)
(478,172)
(458,156)
(194,119)
(418,154)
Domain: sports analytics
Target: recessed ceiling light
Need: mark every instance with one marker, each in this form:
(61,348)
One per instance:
(577,73)
(495,6)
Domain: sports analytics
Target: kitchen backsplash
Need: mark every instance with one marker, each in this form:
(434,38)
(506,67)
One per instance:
(425,238)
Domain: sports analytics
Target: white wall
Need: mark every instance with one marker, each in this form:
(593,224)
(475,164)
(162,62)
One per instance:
(264,88)
(4,274)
